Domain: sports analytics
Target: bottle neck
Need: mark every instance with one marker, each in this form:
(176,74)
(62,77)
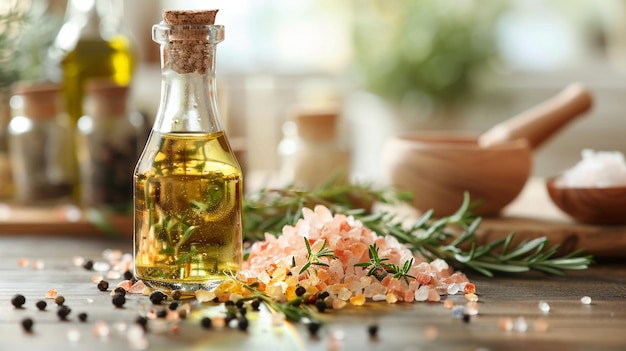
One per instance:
(95,18)
(188,89)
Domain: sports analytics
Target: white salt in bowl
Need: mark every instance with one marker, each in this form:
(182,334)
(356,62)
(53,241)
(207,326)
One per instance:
(594,190)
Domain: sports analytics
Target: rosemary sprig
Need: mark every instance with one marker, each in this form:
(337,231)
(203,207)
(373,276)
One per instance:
(313,258)
(270,209)
(294,310)
(378,268)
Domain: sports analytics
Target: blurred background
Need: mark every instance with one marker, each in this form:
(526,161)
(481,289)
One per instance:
(381,66)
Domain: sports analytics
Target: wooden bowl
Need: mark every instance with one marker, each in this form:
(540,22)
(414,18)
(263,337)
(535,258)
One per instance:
(439,167)
(590,205)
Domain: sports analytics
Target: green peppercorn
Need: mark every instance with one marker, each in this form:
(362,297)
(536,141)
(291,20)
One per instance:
(157,297)
(82,316)
(206,323)
(18,301)
(27,324)
(103,285)
(63,312)
(300,290)
(118,300)
(59,300)
(41,305)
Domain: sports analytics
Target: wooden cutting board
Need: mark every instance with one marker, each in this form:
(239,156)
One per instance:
(533,215)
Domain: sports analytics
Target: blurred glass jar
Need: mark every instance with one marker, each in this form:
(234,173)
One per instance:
(110,137)
(39,144)
(310,151)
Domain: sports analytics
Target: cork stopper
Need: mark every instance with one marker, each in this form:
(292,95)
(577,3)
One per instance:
(188,17)
(105,98)
(315,124)
(188,49)
(38,100)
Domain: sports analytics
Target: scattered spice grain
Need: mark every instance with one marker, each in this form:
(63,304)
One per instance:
(156,297)
(41,305)
(27,324)
(118,300)
(103,285)
(18,301)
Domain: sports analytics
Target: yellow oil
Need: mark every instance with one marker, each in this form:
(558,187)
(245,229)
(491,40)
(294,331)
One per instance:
(112,59)
(188,210)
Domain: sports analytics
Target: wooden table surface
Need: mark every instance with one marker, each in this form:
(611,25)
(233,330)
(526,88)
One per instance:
(571,325)
(50,239)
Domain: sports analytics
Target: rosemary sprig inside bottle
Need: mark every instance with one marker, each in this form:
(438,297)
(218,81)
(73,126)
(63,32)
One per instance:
(270,209)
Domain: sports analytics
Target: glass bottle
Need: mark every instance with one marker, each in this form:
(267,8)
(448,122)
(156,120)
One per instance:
(109,136)
(37,136)
(93,42)
(188,183)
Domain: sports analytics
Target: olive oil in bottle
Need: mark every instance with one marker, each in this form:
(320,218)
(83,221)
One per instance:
(188,210)
(187,183)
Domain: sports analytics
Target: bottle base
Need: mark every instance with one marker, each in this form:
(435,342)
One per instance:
(168,287)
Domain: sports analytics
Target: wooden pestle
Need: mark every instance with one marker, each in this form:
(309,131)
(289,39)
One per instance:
(537,124)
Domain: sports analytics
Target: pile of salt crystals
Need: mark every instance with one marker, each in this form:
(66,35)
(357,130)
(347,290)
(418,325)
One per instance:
(276,262)
(597,169)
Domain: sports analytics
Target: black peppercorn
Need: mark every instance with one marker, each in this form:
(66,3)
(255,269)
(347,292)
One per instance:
(82,317)
(372,330)
(157,297)
(300,290)
(229,317)
(320,305)
(128,275)
(18,300)
(142,321)
(255,304)
(216,299)
(103,285)
(206,323)
(118,300)
(466,318)
(323,295)
(119,290)
(88,265)
(161,313)
(41,305)
(27,324)
(63,312)
(229,303)
(242,323)
(173,306)
(313,328)
(239,303)
(59,300)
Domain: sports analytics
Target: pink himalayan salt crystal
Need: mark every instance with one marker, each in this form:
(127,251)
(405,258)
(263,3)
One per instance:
(272,258)
(39,265)
(448,304)
(137,288)
(51,294)
(23,262)
(125,284)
